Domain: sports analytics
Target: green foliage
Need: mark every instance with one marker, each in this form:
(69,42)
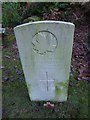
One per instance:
(15,12)
(10,14)
(39,8)
(60,5)
(32,19)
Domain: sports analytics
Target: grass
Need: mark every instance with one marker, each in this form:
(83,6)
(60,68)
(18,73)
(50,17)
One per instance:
(16,101)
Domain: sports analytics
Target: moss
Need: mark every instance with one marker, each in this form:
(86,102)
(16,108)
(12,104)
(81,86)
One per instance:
(60,88)
(57,90)
(31,19)
(29,88)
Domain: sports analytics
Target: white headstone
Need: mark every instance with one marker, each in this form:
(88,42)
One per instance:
(45,49)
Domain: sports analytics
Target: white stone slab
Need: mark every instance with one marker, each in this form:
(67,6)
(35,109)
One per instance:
(45,49)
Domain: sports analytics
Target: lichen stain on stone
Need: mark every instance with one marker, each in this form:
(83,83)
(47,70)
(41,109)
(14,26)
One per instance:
(29,88)
(60,88)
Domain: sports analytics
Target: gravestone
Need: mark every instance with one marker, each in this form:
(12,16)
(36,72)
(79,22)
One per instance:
(45,49)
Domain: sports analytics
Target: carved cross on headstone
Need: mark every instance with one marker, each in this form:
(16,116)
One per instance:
(47,80)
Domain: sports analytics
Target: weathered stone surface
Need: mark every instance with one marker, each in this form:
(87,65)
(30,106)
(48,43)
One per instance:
(45,49)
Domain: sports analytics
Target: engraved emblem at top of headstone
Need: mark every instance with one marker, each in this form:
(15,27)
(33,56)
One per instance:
(44,42)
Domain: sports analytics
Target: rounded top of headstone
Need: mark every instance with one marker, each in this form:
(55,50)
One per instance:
(43,22)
